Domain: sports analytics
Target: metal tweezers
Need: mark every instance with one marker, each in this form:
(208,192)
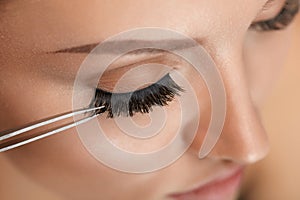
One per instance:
(4,136)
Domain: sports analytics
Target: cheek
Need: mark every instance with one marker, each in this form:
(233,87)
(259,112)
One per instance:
(264,56)
(143,132)
(60,162)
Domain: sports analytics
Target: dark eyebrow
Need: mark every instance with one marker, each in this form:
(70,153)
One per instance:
(112,45)
(78,49)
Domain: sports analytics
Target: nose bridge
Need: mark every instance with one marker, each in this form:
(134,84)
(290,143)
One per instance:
(243,138)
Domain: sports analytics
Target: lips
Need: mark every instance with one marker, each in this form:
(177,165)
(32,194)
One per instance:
(221,188)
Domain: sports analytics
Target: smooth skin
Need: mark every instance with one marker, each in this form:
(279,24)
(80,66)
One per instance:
(35,85)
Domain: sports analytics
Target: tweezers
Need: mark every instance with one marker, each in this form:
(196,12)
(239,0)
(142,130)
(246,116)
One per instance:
(5,135)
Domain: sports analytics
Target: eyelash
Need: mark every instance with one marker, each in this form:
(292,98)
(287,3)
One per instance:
(127,104)
(282,20)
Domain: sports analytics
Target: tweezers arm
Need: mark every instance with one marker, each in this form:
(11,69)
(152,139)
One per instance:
(49,121)
(47,134)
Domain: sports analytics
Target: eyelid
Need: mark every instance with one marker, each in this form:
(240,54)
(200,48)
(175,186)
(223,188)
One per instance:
(134,79)
(133,61)
(139,89)
(137,73)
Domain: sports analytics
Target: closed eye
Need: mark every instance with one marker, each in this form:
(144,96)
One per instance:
(281,20)
(140,101)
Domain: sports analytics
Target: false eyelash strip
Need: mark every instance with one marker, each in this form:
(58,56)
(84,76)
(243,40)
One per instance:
(126,104)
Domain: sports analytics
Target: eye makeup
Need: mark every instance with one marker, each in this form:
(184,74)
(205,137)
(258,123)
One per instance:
(127,104)
(282,20)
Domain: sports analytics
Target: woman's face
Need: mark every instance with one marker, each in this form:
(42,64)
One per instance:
(37,83)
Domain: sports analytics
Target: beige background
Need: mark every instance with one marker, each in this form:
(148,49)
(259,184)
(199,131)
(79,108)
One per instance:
(276,178)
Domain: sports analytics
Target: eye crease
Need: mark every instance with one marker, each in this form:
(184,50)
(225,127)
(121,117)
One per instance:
(140,101)
(281,21)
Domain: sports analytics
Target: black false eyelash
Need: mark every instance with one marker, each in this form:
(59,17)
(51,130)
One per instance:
(282,20)
(142,100)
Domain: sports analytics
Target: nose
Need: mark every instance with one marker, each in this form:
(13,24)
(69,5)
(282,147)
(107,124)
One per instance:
(243,139)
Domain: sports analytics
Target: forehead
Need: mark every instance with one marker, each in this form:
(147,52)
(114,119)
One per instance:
(95,19)
(129,12)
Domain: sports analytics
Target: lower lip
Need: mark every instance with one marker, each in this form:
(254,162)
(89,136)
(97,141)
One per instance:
(217,190)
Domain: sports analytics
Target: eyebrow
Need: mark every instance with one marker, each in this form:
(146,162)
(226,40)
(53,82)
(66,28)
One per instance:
(114,46)
(268,4)
(78,49)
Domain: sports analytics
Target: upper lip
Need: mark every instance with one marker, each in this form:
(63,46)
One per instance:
(219,177)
